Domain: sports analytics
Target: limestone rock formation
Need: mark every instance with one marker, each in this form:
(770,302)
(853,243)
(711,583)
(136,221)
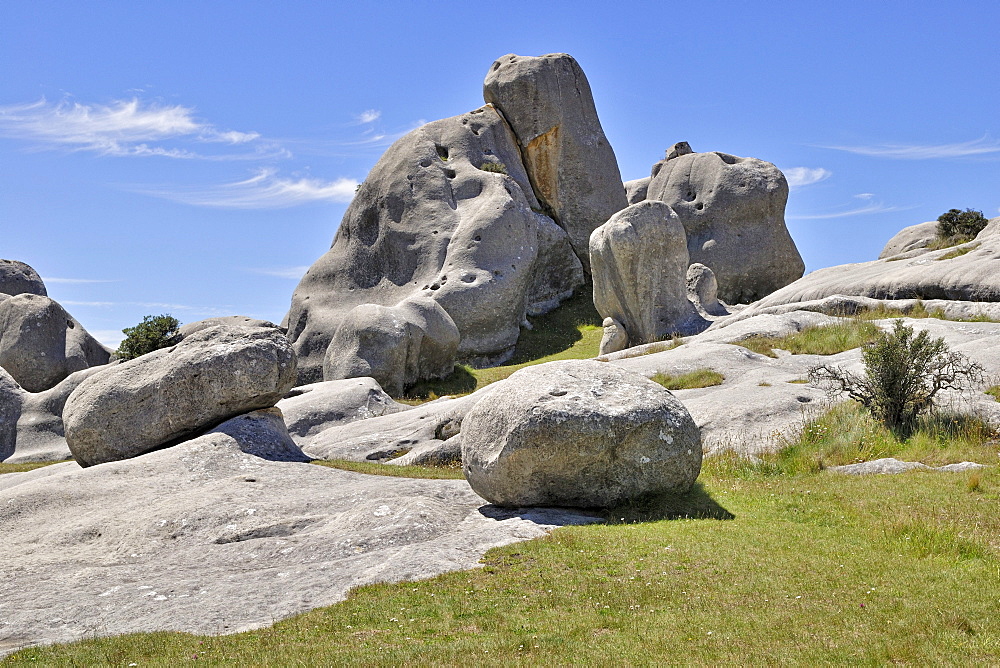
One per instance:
(18,278)
(968,272)
(732,210)
(447,213)
(614,338)
(41,436)
(262,433)
(548,102)
(10,410)
(703,290)
(395,345)
(909,239)
(635,190)
(310,409)
(579,434)
(228,321)
(40,343)
(639,260)
(159,398)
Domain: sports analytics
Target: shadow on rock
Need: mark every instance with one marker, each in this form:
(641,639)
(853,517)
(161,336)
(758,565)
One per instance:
(697,504)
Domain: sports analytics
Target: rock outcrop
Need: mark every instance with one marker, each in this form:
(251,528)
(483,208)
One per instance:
(310,409)
(447,213)
(17,278)
(968,272)
(396,345)
(41,344)
(914,237)
(732,210)
(227,321)
(703,290)
(160,398)
(579,434)
(639,260)
(10,410)
(548,102)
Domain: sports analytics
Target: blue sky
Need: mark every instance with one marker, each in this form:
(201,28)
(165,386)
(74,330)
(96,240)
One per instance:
(194,158)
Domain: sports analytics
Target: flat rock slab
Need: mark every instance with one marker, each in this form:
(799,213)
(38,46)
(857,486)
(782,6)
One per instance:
(204,538)
(890,465)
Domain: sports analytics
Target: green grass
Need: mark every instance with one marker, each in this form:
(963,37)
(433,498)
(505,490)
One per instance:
(21,468)
(958,252)
(918,311)
(375,468)
(689,380)
(847,434)
(755,568)
(845,334)
(573,331)
(994,391)
(940,243)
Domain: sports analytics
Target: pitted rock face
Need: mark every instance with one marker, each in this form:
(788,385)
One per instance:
(18,278)
(733,211)
(41,344)
(439,217)
(160,398)
(579,434)
(573,169)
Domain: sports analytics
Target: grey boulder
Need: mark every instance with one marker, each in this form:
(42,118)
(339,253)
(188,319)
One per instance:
(639,260)
(732,210)
(18,278)
(41,344)
(579,434)
(164,396)
(614,338)
(635,190)
(309,409)
(396,345)
(914,237)
(703,290)
(548,102)
(437,216)
(228,321)
(11,396)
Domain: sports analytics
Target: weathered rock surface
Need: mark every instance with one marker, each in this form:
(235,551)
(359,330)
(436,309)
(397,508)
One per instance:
(639,261)
(635,190)
(733,213)
(579,434)
(18,278)
(615,337)
(445,453)
(385,438)
(396,345)
(972,276)
(548,102)
(889,466)
(558,270)
(40,433)
(703,290)
(10,410)
(154,400)
(910,238)
(430,221)
(227,321)
(262,433)
(41,344)
(204,538)
(310,409)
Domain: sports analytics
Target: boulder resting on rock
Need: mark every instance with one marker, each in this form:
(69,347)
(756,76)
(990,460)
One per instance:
(309,409)
(18,278)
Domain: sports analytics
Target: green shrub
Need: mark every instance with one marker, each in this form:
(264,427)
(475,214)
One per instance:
(497,167)
(903,374)
(960,225)
(153,333)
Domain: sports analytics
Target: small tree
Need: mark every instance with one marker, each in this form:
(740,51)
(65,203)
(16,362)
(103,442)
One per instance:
(153,333)
(903,374)
(960,225)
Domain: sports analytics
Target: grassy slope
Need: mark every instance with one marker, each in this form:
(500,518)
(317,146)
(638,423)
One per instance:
(20,468)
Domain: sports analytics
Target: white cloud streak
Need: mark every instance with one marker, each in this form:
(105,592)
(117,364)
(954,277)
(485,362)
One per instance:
(871,209)
(982,146)
(291,273)
(50,279)
(124,128)
(264,190)
(369,116)
(805,176)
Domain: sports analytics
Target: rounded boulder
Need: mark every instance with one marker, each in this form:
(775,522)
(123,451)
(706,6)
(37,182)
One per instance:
(581,434)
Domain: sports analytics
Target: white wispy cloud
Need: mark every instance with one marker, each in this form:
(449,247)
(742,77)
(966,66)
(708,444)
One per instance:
(292,273)
(982,146)
(52,279)
(123,128)
(369,116)
(865,196)
(109,337)
(263,190)
(805,176)
(871,209)
(69,302)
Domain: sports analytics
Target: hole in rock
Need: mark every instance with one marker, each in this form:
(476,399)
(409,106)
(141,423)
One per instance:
(699,206)
(803,400)
(450,173)
(557,393)
(425,163)
(436,286)
(469,278)
(442,152)
(478,238)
